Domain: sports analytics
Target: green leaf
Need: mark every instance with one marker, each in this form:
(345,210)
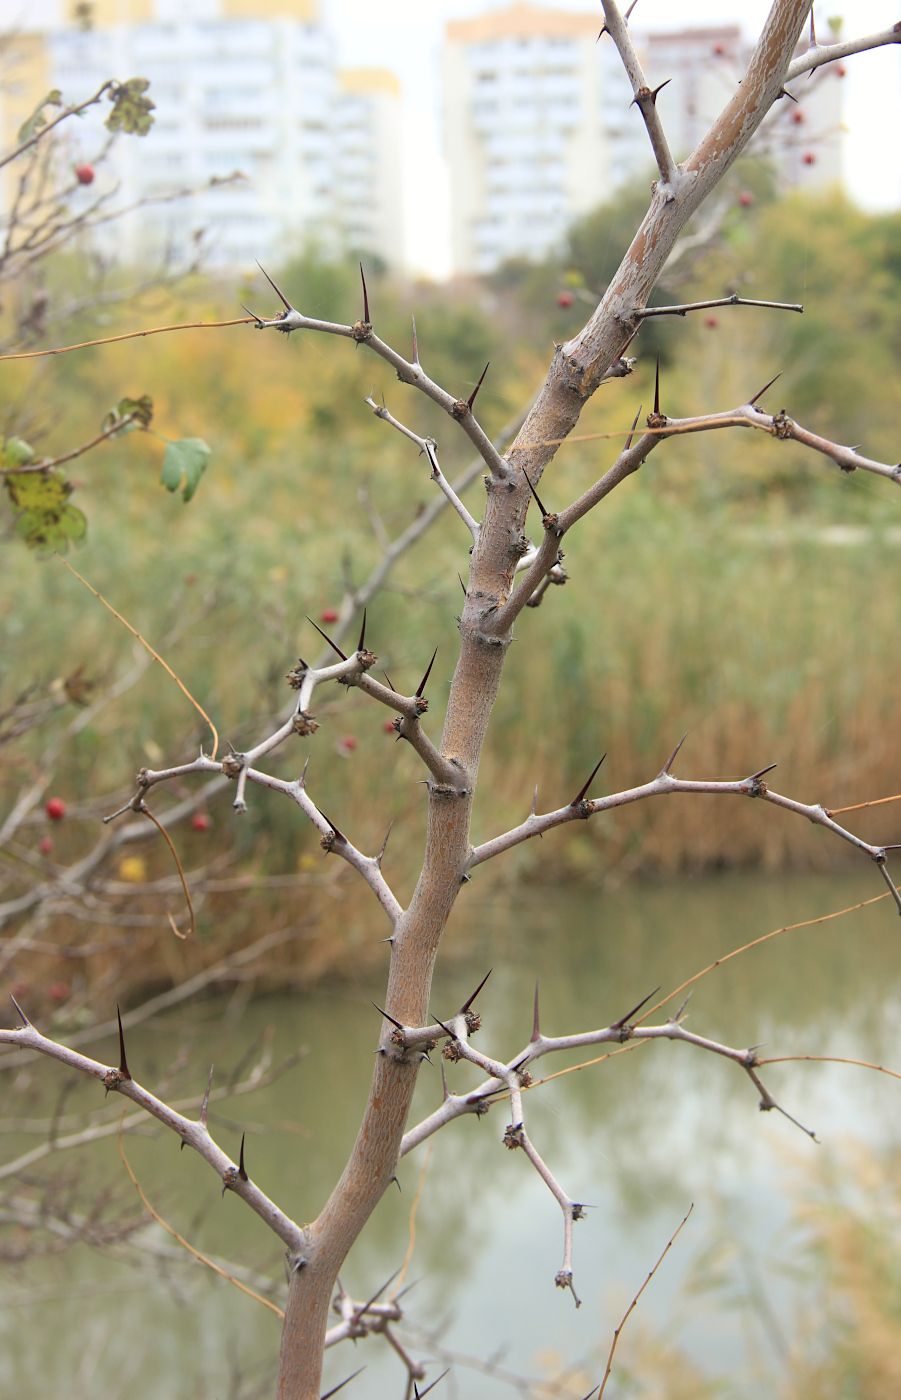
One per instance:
(49,530)
(184,460)
(141,410)
(44,520)
(16,452)
(37,119)
(131,109)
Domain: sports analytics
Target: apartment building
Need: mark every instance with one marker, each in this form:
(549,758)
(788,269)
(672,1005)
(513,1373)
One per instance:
(538,126)
(246,86)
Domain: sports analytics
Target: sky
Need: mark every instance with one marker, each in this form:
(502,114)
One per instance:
(405,35)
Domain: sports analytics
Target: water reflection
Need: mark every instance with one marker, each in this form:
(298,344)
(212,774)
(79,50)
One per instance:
(639,1137)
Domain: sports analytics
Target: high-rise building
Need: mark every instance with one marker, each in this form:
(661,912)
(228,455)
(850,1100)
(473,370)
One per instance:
(535,129)
(246,86)
(539,125)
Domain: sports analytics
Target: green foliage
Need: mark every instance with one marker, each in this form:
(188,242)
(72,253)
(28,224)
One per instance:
(131,111)
(140,411)
(44,519)
(37,121)
(184,461)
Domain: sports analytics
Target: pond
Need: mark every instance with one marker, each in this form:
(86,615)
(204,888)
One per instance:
(639,1137)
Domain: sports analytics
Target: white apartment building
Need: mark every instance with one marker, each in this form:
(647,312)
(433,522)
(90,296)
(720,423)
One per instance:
(247,86)
(536,130)
(538,126)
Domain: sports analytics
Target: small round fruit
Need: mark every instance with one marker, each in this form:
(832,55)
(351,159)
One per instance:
(809,158)
(711,323)
(45,846)
(84,174)
(58,991)
(55,808)
(746,199)
(133,869)
(349,743)
(200,822)
(388,726)
(797,116)
(565,299)
(329,615)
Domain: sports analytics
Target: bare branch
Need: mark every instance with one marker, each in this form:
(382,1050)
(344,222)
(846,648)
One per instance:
(429,447)
(644,98)
(642,312)
(819,54)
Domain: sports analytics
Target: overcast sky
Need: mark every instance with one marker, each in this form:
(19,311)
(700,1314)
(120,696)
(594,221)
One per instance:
(405,35)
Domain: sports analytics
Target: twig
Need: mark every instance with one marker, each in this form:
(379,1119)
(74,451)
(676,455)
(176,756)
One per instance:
(634,1303)
(49,462)
(181,874)
(185,1244)
(642,312)
(131,335)
(155,654)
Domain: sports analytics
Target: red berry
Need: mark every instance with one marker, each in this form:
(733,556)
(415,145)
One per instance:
(84,174)
(349,742)
(809,158)
(797,116)
(839,70)
(746,199)
(200,822)
(712,322)
(565,299)
(328,615)
(55,808)
(58,991)
(45,845)
(719,50)
(388,726)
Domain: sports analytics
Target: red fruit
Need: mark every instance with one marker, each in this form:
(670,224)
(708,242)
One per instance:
(45,846)
(565,299)
(839,70)
(328,615)
(84,174)
(746,199)
(797,116)
(719,50)
(349,742)
(809,158)
(388,726)
(200,822)
(712,322)
(55,808)
(58,991)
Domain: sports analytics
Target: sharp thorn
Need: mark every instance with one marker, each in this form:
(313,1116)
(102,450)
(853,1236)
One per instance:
(472,398)
(467,1004)
(339,835)
(285,303)
(462,584)
(19,1009)
(206,1098)
(375,1297)
(389,680)
(657,386)
(678,1015)
(659,89)
(366,320)
(304,773)
(123,1064)
(415,346)
(422,683)
(241,1172)
(327,639)
(624,1020)
(447,1030)
(260,320)
(534,801)
(387,1017)
(582,791)
(378,859)
(634,426)
(626,17)
(362,633)
(335,1388)
(534,492)
(762,391)
(536,1033)
(762,771)
(672,758)
(421,1394)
